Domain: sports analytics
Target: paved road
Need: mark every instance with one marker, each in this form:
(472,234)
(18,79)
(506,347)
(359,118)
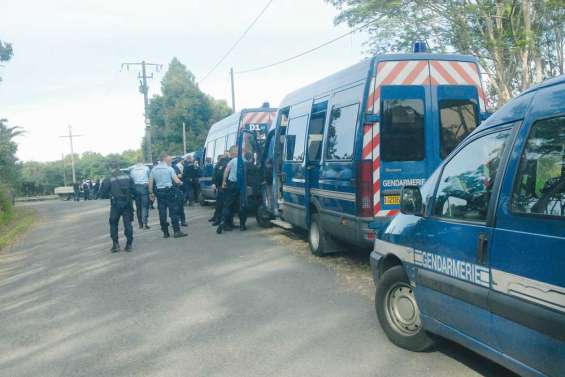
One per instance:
(240,304)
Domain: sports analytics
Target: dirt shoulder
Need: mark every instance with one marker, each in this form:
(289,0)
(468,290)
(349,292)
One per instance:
(21,220)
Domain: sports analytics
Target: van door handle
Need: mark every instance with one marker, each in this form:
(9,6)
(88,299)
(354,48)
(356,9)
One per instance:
(482,248)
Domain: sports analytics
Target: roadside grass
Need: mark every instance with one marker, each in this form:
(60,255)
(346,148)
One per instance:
(19,221)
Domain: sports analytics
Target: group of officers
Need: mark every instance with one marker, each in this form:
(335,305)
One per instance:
(172,185)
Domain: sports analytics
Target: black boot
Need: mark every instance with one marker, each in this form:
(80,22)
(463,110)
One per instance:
(146,226)
(115,247)
(242,227)
(212,220)
(140,226)
(179,234)
(184,224)
(128,247)
(166,234)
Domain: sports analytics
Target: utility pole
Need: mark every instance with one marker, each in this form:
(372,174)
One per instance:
(70,136)
(144,89)
(232,91)
(64,170)
(184,137)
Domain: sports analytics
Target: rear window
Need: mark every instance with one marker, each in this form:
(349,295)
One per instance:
(209,152)
(458,118)
(402,130)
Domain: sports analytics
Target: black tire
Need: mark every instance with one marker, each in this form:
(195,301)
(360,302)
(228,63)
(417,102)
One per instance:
(202,200)
(318,244)
(403,329)
(263,217)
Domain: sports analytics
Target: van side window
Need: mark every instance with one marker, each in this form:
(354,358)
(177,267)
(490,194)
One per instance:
(341,133)
(457,119)
(316,135)
(210,152)
(231,141)
(295,138)
(540,184)
(402,130)
(467,179)
(220,147)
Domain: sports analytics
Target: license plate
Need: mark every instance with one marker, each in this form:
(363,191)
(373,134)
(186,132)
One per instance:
(392,199)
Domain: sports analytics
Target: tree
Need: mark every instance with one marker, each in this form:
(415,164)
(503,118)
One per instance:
(6,52)
(182,102)
(518,42)
(8,149)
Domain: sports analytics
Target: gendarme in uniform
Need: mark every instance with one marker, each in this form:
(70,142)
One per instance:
(164,178)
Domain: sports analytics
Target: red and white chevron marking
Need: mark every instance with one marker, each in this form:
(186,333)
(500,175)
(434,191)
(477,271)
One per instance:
(445,72)
(258,117)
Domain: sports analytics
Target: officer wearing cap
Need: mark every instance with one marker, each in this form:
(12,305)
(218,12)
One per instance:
(164,177)
(119,187)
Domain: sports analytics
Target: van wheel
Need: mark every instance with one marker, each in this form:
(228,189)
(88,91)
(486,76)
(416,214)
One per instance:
(317,237)
(398,312)
(202,200)
(263,217)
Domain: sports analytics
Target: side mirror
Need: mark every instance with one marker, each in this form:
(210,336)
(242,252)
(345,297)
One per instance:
(411,201)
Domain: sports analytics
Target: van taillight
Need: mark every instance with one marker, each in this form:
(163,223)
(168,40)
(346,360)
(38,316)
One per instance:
(365,189)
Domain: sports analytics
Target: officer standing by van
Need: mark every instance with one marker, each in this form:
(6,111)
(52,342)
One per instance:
(231,194)
(217,182)
(140,175)
(119,187)
(165,178)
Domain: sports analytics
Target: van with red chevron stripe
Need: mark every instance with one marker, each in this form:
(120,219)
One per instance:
(345,145)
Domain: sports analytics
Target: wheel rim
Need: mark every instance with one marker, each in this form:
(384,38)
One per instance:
(314,235)
(402,310)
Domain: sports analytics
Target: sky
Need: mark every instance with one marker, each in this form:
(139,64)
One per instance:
(68,53)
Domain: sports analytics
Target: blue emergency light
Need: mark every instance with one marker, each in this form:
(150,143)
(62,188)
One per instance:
(420,46)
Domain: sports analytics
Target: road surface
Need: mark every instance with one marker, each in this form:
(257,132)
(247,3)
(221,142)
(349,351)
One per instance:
(239,304)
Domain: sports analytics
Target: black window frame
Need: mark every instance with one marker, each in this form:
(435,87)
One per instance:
(523,147)
(285,153)
(422,100)
(477,112)
(355,127)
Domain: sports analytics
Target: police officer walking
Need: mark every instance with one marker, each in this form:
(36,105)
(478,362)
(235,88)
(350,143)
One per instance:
(120,189)
(217,182)
(164,177)
(140,175)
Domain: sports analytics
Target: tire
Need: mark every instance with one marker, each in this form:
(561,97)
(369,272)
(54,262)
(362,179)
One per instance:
(202,200)
(263,217)
(317,237)
(398,312)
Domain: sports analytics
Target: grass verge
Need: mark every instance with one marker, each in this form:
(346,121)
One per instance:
(19,222)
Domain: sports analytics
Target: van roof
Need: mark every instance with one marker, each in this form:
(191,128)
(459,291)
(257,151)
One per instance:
(360,71)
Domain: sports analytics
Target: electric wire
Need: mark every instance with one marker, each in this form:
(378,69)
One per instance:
(230,50)
(286,60)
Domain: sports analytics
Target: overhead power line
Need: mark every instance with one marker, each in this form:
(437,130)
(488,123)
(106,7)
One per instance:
(260,68)
(236,42)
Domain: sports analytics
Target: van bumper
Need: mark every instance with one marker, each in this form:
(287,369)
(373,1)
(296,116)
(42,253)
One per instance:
(374,260)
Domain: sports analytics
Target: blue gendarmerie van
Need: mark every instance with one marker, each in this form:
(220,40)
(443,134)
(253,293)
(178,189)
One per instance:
(345,145)
(246,129)
(477,254)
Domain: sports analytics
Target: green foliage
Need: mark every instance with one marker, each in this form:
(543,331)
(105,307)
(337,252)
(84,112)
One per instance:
(41,178)
(8,149)
(517,42)
(6,52)
(182,101)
